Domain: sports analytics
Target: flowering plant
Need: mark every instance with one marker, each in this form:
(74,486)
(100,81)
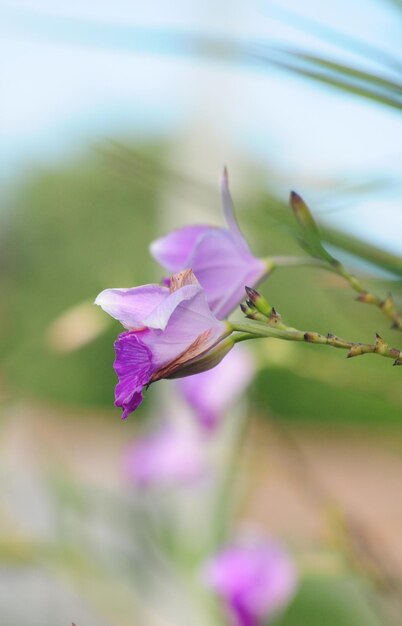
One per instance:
(178,330)
(219,257)
(254,580)
(171,332)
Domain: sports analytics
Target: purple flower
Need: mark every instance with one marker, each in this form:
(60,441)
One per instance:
(169,456)
(211,393)
(254,581)
(219,257)
(171,333)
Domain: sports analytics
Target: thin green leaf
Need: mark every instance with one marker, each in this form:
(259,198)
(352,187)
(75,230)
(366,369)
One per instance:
(339,83)
(349,71)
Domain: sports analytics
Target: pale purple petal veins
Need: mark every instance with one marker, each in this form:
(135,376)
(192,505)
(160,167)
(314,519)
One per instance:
(223,270)
(190,320)
(219,257)
(228,209)
(131,306)
(193,318)
(134,368)
(173,250)
(232,299)
(160,316)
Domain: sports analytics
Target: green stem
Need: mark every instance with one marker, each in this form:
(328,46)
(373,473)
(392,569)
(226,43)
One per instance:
(273,262)
(387,305)
(312,242)
(246,336)
(286,333)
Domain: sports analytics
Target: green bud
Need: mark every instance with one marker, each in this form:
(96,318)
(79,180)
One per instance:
(311,238)
(258,302)
(303,213)
(251,312)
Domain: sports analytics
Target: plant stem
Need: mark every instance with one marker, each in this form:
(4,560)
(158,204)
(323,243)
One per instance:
(281,331)
(246,336)
(294,261)
(387,305)
(311,241)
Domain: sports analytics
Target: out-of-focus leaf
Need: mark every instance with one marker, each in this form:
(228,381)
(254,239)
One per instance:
(333,602)
(347,70)
(190,44)
(72,231)
(296,396)
(324,32)
(374,254)
(364,90)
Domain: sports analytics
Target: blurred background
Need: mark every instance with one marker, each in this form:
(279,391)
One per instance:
(116,120)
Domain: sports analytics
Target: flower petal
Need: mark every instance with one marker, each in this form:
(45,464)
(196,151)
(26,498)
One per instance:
(223,269)
(132,306)
(228,210)
(160,316)
(173,250)
(165,458)
(212,392)
(181,279)
(254,580)
(134,368)
(219,257)
(183,321)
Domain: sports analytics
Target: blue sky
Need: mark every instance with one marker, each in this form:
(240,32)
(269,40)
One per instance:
(73,73)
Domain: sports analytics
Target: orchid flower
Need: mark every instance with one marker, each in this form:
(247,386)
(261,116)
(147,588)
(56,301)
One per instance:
(170,456)
(213,392)
(253,580)
(171,333)
(219,257)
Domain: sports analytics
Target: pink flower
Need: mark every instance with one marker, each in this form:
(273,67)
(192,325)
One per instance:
(166,457)
(254,581)
(171,333)
(219,257)
(213,392)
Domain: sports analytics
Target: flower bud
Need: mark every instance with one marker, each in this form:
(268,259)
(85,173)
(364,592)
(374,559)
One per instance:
(303,213)
(311,238)
(258,302)
(206,361)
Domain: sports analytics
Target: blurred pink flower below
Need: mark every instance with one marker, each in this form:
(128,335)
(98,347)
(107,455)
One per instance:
(168,457)
(253,580)
(212,393)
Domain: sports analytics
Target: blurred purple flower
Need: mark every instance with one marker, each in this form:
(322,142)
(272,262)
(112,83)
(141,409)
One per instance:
(219,257)
(254,581)
(211,393)
(172,333)
(165,458)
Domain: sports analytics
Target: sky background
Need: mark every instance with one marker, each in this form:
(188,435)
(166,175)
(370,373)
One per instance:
(78,73)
